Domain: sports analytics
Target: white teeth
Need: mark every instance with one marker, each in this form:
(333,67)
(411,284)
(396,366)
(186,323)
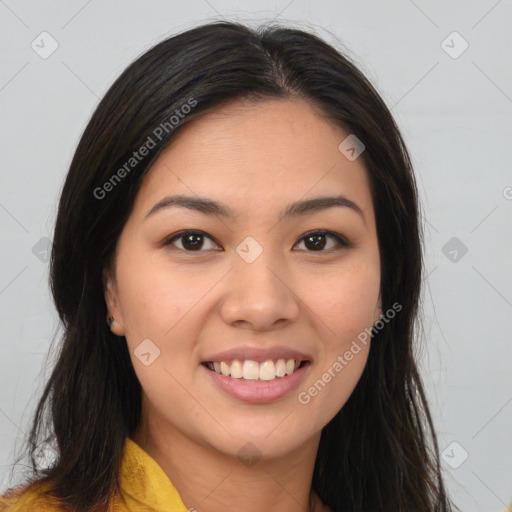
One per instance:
(236,369)
(252,370)
(224,368)
(267,371)
(280,368)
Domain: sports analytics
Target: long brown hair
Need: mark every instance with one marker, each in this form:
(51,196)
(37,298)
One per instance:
(379,453)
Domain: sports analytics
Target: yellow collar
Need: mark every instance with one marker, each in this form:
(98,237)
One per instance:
(144,488)
(144,485)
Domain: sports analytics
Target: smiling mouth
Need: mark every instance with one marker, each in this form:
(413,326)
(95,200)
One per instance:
(247,369)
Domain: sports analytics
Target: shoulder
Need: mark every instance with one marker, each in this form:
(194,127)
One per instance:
(24,499)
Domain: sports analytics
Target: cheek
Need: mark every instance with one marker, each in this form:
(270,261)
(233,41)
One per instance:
(346,301)
(154,303)
(159,303)
(333,383)
(341,377)
(154,297)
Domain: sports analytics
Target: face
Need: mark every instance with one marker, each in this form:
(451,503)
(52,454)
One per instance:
(251,287)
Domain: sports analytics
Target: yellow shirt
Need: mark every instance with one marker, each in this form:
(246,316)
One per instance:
(144,488)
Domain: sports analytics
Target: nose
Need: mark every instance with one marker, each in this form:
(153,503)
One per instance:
(259,295)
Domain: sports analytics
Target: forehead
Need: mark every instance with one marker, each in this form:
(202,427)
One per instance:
(254,155)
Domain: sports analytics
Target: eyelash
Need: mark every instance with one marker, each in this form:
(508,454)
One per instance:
(343,242)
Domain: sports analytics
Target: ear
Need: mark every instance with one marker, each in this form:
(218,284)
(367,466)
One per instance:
(111,300)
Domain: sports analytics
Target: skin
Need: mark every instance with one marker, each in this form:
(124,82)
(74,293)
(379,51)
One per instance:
(257,158)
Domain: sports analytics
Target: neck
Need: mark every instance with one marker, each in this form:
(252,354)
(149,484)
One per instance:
(212,481)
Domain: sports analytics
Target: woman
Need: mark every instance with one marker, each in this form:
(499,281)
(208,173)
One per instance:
(237,264)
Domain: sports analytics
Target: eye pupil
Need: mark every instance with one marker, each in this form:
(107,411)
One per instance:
(314,241)
(317,245)
(191,241)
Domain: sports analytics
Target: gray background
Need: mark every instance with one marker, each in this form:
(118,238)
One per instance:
(454,108)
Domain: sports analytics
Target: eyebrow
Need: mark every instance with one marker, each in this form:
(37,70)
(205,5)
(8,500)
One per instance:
(210,207)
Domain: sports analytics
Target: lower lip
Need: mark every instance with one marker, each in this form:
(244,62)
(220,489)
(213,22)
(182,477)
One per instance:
(259,392)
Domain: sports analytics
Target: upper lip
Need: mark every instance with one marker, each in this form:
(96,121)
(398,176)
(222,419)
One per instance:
(257,354)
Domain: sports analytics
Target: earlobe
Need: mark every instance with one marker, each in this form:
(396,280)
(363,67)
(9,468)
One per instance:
(114,318)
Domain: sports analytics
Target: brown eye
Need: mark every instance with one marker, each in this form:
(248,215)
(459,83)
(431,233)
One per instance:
(191,241)
(316,241)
